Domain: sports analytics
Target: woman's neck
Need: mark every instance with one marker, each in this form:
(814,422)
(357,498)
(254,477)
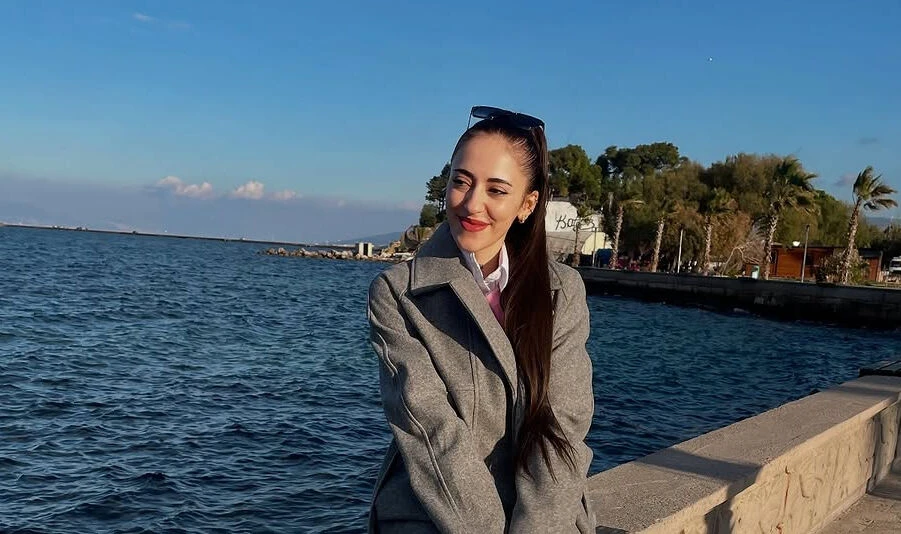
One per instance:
(489,262)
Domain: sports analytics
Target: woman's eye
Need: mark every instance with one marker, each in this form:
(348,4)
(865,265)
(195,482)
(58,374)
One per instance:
(459,182)
(498,191)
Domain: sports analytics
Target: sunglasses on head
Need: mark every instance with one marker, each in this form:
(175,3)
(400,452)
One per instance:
(519,120)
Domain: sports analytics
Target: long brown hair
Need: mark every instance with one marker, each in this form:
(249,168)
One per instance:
(528,308)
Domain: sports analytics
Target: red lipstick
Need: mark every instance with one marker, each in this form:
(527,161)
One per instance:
(472,225)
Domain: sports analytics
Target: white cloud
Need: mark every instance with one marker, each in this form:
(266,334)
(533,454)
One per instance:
(287,194)
(177,186)
(252,190)
(34,199)
(174,25)
(204,190)
(143,17)
(170,181)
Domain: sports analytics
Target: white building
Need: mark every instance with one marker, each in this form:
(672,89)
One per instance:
(560,224)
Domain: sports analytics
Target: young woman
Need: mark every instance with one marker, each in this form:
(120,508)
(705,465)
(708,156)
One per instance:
(484,375)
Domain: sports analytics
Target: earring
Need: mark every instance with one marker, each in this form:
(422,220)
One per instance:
(522,218)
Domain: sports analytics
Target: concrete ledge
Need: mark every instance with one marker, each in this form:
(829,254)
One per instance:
(791,469)
(850,305)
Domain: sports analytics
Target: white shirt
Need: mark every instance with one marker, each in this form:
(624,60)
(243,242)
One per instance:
(498,279)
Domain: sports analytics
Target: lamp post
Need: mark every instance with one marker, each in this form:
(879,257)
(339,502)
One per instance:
(804,258)
(679,256)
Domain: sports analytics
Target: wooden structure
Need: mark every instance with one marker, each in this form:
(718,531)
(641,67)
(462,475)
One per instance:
(786,261)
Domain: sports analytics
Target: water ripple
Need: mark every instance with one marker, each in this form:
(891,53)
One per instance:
(163,385)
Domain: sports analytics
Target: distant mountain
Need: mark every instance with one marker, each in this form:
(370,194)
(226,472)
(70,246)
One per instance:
(376,240)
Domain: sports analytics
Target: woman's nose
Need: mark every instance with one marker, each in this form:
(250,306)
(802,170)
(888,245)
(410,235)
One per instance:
(474,201)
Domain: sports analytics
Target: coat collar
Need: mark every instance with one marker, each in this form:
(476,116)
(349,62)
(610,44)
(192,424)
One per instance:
(439,263)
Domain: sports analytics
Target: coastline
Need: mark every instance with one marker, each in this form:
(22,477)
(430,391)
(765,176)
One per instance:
(180,236)
(333,254)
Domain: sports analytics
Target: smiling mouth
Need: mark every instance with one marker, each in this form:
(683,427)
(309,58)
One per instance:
(472,225)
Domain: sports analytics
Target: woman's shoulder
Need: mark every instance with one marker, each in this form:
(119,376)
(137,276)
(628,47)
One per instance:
(565,277)
(394,279)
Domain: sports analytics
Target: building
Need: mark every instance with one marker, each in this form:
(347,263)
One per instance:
(560,221)
(787,260)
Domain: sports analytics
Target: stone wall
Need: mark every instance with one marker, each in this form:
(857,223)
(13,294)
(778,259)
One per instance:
(790,470)
(851,305)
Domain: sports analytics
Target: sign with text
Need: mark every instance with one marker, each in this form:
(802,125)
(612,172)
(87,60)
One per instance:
(562,217)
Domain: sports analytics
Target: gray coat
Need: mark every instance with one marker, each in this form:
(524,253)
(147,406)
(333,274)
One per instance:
(454,403)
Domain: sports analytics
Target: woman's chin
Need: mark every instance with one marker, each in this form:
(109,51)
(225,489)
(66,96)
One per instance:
(467,242)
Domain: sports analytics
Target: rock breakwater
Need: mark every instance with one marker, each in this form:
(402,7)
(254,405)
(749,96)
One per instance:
(331,254)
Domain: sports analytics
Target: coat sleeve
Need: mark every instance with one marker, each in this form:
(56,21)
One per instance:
(544,504)
(447,476)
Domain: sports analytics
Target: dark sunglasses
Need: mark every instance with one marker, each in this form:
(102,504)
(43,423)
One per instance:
(519,120)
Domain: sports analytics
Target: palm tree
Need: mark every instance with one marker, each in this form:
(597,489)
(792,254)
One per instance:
(665,210)
(869,194)
(789,187)
(583,212)
(664,206)
(621,206)
(716,203)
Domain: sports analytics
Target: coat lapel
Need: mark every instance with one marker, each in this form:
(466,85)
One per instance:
(477,306)
(438,264)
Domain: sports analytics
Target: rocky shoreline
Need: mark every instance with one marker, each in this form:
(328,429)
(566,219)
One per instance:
(332,255)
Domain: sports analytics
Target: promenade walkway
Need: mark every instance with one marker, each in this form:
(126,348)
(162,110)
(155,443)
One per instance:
(877,512)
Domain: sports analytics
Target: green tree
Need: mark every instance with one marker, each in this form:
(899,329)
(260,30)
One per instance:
(830,269)
(867,234)
(735,240)
(435,191)
(667,194)
(793,224)
(870,193)
(889,242)
(626,200)
(639,226)
(623,171)
(572,174)
(746,178)
(428,216)
(789,187)
(831,220)
(661,203)
(715,203)
(828,224)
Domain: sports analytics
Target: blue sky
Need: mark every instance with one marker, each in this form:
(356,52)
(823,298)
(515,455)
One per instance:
(359,103)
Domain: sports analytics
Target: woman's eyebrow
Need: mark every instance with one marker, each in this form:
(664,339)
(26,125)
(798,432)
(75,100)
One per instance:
(473,177)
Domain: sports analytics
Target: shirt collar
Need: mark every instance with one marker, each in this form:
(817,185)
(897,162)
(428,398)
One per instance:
(498,278)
